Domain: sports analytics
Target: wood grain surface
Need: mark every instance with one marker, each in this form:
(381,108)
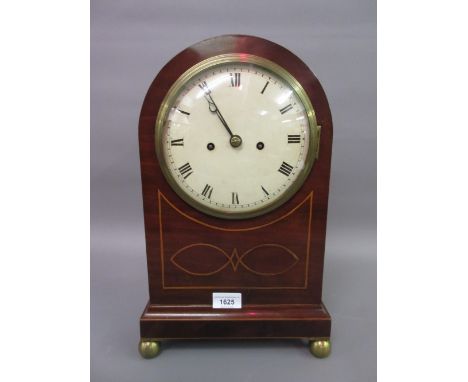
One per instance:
(274,260)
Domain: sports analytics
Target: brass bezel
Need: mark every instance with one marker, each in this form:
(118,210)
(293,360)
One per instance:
(274,68)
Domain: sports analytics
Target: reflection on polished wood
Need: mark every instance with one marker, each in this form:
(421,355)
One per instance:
(267,321)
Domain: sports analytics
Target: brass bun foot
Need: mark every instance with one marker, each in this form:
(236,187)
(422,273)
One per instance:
(148,349)
(320,348)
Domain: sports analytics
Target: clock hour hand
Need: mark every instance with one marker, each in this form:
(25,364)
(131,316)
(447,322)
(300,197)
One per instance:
(235,140)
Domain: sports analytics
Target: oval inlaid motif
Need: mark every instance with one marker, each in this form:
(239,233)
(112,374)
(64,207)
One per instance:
(268,259)
(201,259)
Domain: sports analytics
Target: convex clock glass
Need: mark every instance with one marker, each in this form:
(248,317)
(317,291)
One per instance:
(236,136)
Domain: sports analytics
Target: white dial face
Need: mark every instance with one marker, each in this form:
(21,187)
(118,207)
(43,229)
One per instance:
(235,140)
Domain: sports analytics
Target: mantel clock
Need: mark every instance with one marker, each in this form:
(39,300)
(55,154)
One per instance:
(235,140)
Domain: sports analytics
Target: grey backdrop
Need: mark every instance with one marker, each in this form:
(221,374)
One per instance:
(130,42)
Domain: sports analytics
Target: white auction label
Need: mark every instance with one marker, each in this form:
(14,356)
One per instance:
(227,300)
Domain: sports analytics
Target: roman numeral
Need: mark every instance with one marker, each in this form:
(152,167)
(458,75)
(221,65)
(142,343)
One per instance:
(186,170)
(265,191)
(263,90)
(285,169)
(235,80)
(183,112)
(285,109)
(177,142)
(235,198)
(204,86)
(207,191)
(294,138)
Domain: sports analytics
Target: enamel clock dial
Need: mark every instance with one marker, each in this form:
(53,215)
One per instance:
(236,136)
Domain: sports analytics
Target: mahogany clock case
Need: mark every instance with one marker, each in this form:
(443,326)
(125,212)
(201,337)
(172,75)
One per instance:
(280,298)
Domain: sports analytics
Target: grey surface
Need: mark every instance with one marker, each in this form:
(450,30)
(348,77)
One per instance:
(130,42)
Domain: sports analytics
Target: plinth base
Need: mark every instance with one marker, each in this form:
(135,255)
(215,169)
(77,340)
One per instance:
(311,322)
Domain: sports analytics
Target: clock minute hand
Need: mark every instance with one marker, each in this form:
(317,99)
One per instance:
(235,140)
(214,109)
